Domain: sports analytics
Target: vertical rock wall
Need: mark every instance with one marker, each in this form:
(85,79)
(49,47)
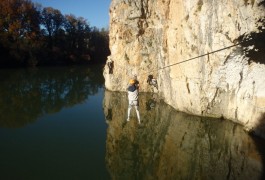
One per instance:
(147,37)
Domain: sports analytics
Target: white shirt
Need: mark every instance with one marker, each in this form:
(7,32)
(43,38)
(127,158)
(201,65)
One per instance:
(132,93)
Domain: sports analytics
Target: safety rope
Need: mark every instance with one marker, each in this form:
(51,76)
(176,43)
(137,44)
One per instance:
(190,59)
(193,58)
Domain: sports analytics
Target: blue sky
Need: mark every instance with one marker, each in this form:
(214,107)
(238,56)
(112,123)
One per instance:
(96,12)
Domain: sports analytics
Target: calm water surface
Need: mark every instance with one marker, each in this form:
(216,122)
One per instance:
(52,124)
(60,123)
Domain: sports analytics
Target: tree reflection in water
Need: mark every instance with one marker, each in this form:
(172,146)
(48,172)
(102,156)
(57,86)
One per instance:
(173,145)
(27,94)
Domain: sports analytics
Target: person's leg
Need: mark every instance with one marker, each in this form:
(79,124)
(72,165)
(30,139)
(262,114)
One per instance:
(129,112)
(137,113)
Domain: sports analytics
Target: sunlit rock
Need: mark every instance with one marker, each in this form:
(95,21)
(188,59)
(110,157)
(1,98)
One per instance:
(147,37)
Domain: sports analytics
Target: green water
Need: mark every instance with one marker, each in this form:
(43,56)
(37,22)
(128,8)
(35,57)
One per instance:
(52,125)
(60,123)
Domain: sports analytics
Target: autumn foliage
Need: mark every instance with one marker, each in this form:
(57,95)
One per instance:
(31,35)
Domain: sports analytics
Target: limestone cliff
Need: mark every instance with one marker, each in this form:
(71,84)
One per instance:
(147,37)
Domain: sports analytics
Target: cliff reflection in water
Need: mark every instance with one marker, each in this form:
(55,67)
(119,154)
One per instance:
(173,145)
(27,94)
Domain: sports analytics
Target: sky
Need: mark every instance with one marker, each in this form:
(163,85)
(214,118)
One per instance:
(96,12)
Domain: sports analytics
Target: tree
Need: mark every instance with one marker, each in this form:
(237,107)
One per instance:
(31,35)
(99,44)
(78,33)
(52,21)
(19,29)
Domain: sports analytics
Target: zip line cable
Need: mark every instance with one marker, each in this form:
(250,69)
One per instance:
(190,59)
(198,56)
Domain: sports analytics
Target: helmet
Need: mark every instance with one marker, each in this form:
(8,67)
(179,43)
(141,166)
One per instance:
(132,81)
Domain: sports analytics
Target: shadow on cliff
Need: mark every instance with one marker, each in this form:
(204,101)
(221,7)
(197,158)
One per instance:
(254,43)
(262,3)
(254,47)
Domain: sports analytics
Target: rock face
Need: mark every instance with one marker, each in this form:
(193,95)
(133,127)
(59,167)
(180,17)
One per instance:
(208,56)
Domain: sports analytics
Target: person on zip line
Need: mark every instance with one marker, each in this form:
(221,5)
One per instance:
(133,92)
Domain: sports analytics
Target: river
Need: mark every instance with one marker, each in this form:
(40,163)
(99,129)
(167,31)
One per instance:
(60,123)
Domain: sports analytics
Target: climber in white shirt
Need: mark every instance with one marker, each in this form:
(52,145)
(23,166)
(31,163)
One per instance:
(133,91)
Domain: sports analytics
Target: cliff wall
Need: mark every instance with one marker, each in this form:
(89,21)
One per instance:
(228,37)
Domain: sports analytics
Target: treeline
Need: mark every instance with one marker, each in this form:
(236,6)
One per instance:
(32,35)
